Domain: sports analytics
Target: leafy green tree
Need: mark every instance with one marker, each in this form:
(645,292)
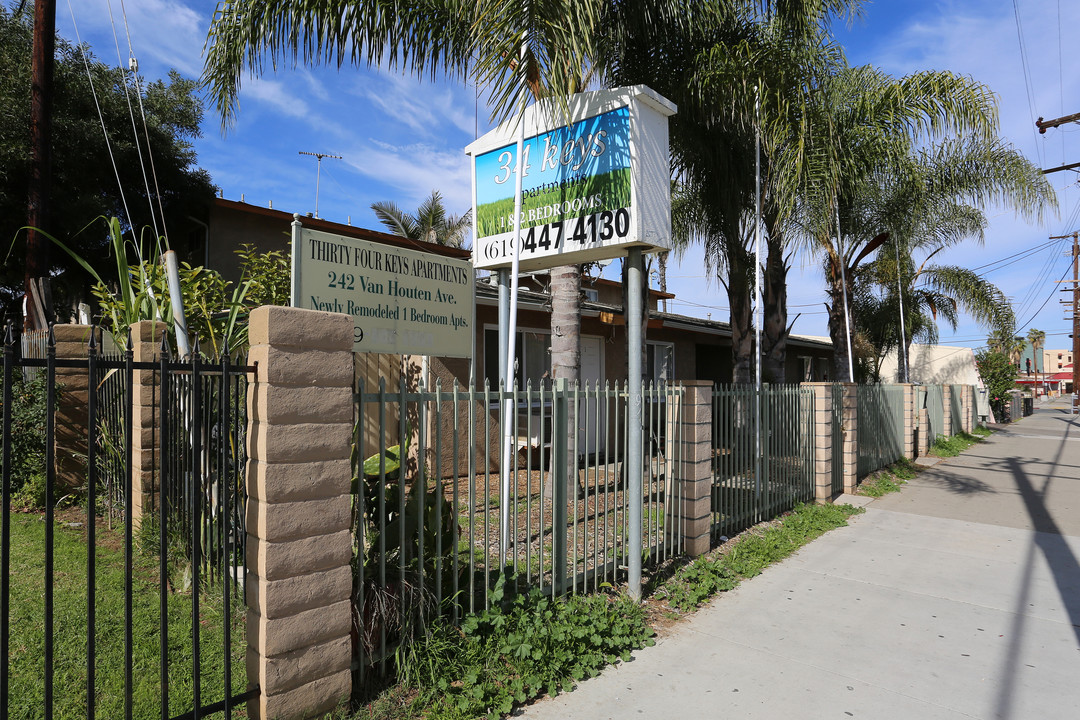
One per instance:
(999,375)
(84,184)
(429,223)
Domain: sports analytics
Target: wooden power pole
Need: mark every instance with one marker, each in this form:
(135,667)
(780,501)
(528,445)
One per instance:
(40,185)
(1075,311)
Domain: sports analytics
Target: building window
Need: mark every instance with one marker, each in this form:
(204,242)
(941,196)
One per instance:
(591,294)
(807,364)
(532,356)
(661,362)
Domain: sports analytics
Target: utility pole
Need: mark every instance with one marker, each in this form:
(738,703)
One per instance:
(1076,319)
(39,187)
(318,173)
(1043,124)
(1075,311)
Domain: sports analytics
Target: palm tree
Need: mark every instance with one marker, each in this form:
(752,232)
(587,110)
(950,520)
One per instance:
(429,223)
(863,176)
(930,294)
(1005,342)
(718,75)
(1036,338)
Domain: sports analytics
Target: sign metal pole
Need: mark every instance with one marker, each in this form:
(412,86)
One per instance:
(634,465)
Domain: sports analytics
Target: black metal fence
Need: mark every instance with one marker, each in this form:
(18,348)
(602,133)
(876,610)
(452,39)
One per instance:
(117,619)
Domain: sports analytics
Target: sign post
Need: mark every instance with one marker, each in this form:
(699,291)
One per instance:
(591,185)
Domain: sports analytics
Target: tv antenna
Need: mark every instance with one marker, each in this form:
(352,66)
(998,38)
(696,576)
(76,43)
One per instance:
(318,173)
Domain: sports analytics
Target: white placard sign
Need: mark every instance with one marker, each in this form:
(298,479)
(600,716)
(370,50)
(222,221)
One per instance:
(404,302)
(589,188)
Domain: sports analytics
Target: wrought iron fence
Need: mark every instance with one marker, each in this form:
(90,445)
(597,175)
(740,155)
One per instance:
(757,475)
(881,426)
(126,590)
(435,522)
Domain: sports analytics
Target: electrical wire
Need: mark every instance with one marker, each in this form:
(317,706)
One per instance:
(101,118)
(134,127)
(1027,78)
(146,129)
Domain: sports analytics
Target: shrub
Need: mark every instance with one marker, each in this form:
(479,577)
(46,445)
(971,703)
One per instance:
(27,430)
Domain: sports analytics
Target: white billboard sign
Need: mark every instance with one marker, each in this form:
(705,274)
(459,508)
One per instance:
(590,188)
(404,302)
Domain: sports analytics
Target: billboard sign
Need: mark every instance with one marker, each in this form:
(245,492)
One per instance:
(590,187)
(404,302)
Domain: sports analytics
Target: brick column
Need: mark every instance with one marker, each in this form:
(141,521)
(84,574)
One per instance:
(946,401)
(851,437)
(299,544)
(695,477)
(146,411)
(910,415)
(69,440)
(822,440)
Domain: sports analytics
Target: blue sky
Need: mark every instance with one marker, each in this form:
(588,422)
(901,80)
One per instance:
(401,138)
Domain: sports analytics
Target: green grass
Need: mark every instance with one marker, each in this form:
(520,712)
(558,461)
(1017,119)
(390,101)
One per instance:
(889,479)
(613,187)
(70,629)
(697,581)
(982,431)
(956,444)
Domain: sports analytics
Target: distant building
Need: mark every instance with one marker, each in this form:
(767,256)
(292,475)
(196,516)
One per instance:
(938,365)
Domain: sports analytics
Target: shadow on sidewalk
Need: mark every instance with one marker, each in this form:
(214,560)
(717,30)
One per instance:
(1063,564)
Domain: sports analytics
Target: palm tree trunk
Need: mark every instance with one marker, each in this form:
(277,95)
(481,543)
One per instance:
(838,329)
(740,301)
(566,346)
(775,326)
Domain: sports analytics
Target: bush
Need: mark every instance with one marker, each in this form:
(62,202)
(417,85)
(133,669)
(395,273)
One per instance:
(999,374)
(27,430)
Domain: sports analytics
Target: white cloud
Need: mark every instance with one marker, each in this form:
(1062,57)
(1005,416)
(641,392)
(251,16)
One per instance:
(409,173)
(275,94)
(164,33)
(425,107)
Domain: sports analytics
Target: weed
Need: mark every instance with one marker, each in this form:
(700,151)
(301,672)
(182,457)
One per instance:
(954,445)
(982,431)
(691,585)
(889,479)
(524,645)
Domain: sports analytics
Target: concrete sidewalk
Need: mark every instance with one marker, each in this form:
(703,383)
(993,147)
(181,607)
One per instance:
(958,597)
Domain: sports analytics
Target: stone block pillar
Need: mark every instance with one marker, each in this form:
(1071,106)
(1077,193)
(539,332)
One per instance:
(946,400)
(146,411)
(910,415)
(822,440)
(69,440)
(695,478)
(299,543)
(851,437)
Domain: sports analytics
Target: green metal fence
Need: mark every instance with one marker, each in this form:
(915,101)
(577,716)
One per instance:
(435,523)
(759,475)
(881,426)
(837,406)
(935,412)
(956,407)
